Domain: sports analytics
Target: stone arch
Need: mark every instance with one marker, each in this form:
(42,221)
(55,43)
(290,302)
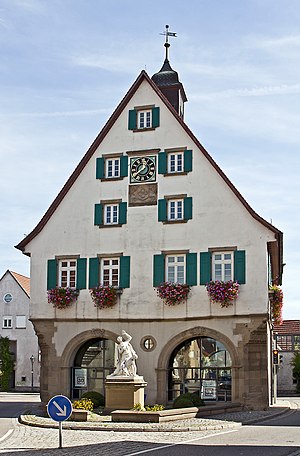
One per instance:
(167,350)
(68,355)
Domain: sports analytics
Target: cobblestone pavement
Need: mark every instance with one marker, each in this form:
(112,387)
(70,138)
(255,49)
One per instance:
(37,441)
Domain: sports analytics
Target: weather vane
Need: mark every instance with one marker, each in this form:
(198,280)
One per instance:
(167,34)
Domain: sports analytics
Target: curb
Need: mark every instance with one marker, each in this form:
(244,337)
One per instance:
(28,421)
(266,418)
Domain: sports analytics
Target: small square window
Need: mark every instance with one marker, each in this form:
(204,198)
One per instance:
(175,209)
(7,322)
(175,162)
(112,167)
(110,272)
(175,269)
(144,119)
(67,273)
(111,214)
(222,266)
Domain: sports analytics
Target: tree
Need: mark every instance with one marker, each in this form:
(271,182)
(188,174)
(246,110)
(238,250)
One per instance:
(296,370)
(6,363)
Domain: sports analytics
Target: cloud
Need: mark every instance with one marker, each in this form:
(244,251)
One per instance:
(87,112)
(275,43)
(263,91)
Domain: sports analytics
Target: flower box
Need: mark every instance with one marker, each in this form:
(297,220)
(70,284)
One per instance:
(79,415)
(62,297)
(173,293)
(104,296)
(223,292)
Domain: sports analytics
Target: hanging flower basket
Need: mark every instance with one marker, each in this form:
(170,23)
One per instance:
(276,299)
(61,297)
(104,296)
(223,293)
(173,293)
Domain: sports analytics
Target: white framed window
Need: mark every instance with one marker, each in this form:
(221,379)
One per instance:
(112,167)
(111,214)
(222,266)
(67,273)
(110,272)
(7,322)
(175,268)
(20,321)
(175,162)
(144,119)
(175,209)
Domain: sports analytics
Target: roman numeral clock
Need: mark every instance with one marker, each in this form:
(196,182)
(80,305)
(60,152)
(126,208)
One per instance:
(142,172)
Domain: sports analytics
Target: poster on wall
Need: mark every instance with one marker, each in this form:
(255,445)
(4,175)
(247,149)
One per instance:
(80,378)
(209,389)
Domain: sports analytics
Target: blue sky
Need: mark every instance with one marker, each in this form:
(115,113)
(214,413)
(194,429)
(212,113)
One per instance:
(66,64)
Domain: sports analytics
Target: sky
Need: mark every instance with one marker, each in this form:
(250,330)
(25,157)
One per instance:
(66,64)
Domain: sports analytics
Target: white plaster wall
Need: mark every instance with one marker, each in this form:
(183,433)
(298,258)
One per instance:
(25,338)
(285,373)
(219,219)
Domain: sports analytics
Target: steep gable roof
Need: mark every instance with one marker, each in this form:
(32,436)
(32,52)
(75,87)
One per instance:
(275,252)
(22,281)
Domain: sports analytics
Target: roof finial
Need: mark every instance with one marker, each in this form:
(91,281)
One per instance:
(167,45)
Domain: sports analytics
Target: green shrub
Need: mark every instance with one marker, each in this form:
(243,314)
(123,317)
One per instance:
(188,400)
(95,397)
(83,404)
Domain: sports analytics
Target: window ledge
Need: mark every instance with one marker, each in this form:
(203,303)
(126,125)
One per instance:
(107,179)
(117,225)
(143,129)
(172,222)
(178,173)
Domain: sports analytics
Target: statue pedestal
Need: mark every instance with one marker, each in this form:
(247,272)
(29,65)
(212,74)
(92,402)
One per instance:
(122,393)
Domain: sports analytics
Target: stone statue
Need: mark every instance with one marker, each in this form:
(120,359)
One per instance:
(126,366)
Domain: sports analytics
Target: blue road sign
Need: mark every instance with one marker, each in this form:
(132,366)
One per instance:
(59,408)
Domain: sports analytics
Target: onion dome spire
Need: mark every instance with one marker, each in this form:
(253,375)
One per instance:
(167,79)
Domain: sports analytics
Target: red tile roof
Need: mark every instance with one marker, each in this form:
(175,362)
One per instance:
(288,327)
(23,281)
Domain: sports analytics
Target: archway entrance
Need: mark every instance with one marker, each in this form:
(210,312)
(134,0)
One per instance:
(94,360)
(200,365)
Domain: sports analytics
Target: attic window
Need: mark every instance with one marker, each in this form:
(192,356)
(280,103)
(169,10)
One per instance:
(7,298)
(143,118)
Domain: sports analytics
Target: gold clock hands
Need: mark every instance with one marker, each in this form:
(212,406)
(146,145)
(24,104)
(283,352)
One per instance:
(138,172)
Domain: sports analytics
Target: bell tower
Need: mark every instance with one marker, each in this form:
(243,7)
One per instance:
(167,80)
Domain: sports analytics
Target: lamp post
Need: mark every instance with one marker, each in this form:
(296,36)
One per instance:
(32,361)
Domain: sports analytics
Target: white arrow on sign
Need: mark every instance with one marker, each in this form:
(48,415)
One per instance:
(62,412)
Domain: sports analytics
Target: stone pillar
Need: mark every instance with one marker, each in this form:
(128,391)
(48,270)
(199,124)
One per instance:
(122,393)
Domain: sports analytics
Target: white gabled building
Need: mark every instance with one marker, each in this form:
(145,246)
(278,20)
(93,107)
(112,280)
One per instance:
(15,325)
(148,204)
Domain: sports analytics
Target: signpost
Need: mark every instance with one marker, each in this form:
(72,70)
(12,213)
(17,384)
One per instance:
(59,408)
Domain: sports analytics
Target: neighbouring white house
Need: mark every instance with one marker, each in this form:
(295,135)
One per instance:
(147,205)
(15,324)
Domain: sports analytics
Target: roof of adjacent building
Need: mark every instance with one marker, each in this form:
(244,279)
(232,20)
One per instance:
(22,280)
(288,327)
(276,252)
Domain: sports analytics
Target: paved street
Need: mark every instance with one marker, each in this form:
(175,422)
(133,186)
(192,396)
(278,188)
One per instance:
(277,437)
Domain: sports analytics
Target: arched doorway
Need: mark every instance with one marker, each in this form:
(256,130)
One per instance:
(94,360)
(200,365)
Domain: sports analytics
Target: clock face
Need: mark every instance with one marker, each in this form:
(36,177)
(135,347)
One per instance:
(143,169)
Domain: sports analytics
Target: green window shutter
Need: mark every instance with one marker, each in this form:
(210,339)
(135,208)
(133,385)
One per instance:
(132,119)
(240,266)
(51,274)
(191,269)
(162,163)
(81,273)
(155,117)
(158,270)
(124,166)
(100,168)
(162,210)
(205,267)
(188,208)
(98,214)
(122,213)
(124,281)
(188,160)
(94,272)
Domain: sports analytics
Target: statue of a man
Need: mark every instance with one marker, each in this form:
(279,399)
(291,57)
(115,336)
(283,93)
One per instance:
(126,365)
